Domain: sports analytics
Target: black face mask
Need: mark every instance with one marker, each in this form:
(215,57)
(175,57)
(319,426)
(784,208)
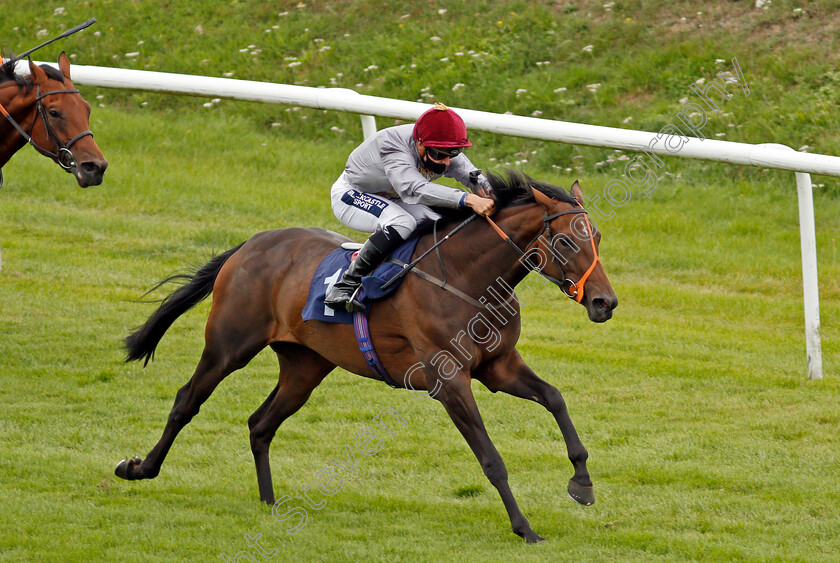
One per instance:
(436,167)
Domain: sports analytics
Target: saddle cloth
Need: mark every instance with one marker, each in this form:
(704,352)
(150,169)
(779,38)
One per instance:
(330,270)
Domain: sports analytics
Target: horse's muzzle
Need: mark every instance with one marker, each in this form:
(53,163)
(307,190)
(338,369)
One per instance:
(90,172)
(600,309)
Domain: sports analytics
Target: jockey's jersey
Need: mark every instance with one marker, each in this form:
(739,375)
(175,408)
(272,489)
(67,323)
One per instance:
(388,164)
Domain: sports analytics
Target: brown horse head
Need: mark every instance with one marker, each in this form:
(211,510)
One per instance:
(567,251)
(61,126)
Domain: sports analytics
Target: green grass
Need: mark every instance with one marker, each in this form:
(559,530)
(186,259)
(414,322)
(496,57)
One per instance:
(706,439)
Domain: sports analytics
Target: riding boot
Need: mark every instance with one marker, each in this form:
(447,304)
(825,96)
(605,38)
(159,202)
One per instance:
(373,252)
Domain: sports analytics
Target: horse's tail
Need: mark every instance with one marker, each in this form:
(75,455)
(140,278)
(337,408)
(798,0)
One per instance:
(141,343)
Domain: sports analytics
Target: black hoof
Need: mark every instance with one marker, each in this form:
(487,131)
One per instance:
(534,537)
(128,469)
(581,494)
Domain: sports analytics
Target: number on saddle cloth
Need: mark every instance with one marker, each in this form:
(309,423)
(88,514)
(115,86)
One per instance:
(329,271)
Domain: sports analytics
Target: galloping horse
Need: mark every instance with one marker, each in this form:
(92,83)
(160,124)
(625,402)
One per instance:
(46,110)
(436,340)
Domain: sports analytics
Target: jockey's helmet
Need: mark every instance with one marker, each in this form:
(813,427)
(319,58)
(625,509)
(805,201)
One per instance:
(441,127)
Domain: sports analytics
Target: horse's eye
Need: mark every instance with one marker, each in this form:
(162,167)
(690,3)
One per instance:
(55,113)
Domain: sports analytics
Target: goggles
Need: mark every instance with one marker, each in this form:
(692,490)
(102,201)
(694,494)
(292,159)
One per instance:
(441,154)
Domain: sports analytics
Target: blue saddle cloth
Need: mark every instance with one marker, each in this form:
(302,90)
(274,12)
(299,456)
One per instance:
(330,270)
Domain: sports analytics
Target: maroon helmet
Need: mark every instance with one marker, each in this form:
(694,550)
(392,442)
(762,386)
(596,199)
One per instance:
(441,127)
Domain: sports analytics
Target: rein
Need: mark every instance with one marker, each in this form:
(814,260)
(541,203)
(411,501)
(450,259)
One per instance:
(62,155)
(571,289)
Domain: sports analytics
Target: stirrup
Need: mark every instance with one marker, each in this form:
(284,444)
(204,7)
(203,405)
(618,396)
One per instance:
(354,305)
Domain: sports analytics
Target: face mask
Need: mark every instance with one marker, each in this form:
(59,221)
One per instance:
(436,167)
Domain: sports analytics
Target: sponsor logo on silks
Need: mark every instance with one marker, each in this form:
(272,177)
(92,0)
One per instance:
(365,202)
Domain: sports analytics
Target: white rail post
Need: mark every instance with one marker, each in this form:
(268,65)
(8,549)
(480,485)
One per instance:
(808,243)
(368,126)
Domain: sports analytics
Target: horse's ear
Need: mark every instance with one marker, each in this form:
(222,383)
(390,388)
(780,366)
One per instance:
(576,192)
(37,73)
(64,65)
(541,198)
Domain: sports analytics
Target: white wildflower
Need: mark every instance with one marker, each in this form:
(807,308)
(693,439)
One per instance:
(588,48)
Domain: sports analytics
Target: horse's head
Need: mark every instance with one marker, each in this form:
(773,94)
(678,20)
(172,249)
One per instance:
(61,129)
(568,251)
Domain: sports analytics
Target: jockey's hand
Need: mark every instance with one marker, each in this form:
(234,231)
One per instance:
(481,205)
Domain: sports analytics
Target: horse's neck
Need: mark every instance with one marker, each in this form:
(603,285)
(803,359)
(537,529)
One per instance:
(21,106)
(481,257)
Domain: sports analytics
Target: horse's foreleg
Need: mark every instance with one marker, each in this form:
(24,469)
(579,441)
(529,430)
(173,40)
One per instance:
(457,398)
(301,370)
(511,375)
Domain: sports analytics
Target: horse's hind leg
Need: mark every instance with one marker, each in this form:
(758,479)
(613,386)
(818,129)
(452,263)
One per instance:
(511,375)
(457,398)
(217,362)
(301,371)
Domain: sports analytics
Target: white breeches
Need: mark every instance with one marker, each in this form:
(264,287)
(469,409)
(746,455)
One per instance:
(367,212)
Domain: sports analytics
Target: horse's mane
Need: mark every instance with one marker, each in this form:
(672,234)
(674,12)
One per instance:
(7,72)
(510,190)
(515,189)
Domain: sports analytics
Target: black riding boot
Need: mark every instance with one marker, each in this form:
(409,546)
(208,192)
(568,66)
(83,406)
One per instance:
(371,255)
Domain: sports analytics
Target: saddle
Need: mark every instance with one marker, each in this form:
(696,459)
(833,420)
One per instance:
(332,267)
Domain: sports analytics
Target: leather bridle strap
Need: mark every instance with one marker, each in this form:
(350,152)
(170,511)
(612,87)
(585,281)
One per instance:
(63,153)
(576,291)
(63,150)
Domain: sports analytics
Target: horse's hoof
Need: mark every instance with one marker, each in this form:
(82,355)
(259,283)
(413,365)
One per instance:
(534,537)
(123,469)
(581,494)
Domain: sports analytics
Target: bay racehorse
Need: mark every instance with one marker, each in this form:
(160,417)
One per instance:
(427,338)
(46,110)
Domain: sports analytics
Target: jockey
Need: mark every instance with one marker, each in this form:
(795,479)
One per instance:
(386,189)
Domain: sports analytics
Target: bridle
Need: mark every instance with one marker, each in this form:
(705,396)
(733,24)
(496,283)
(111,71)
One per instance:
(62,155)
(570,288)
